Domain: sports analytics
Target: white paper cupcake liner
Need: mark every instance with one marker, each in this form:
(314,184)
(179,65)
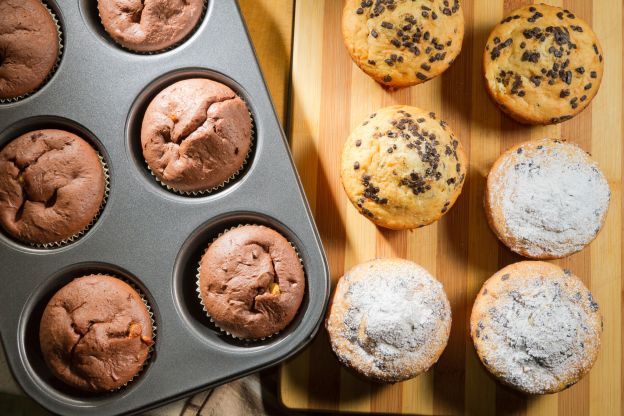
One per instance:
(73,238)
(154,327)
(198,285)
(59,31)
(224,183)
(167,49)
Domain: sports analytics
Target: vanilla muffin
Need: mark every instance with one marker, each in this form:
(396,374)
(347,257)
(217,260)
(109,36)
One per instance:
(403,167)
(403,42)
(546,199)
(389,320)
(536,327)
(542,64)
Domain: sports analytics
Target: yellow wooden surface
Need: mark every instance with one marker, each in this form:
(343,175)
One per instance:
(330,95)
(269,23)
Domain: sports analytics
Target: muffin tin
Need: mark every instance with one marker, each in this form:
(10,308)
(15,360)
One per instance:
(145,233)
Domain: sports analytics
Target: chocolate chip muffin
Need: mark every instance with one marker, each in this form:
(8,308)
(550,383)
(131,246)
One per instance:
(96,333)
(403,167)
(251,282)
(389,320)
(542,64)
(150,25)
(403,42)
(536,327)
(196,135)
(29,47)
(546,199)
(52,186)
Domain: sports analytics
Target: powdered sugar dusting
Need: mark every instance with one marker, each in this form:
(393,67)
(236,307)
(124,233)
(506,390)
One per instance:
(538,335)
(396,315)
(553,199)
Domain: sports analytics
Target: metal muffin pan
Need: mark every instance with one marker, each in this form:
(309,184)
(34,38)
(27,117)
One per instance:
(147,234)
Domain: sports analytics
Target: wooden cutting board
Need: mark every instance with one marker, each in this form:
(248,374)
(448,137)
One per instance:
(330,96)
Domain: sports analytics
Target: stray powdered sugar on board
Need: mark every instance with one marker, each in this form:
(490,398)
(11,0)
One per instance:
(396,320)
(553,198)
(538,334)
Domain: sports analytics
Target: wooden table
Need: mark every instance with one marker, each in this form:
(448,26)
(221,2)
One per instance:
(330,96)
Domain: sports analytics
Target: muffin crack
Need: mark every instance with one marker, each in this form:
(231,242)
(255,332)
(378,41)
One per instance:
(48,202)
(199,125)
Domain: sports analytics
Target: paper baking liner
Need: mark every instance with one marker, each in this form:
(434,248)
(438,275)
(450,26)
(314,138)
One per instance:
(175,45)
(151,314)
(224,183)
(67,241)
(198,286)
(54,68)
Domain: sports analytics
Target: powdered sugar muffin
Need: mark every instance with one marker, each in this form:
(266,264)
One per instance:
(542,64)
(403,42)
(536,327)
(403,167)
(546,199)
(389,320)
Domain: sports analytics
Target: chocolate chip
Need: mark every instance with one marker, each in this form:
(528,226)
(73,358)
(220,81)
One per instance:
(505,277)
(356,165)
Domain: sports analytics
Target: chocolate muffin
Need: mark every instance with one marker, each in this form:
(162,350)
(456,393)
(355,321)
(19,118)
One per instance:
(96,333)
(251,282)
(52,186)
(196,135)
(149,25)
(29,46)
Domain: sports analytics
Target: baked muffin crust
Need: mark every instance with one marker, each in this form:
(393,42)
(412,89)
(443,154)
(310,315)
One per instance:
(542,64)
(52,185)
(251,282)
(96,333)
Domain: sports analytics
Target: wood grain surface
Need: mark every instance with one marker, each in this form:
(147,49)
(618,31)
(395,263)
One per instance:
(330,96)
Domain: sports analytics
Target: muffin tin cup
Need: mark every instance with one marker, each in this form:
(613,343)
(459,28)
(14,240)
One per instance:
(175,45)
(201,300)
(73,238)
(224,183)
(59,32)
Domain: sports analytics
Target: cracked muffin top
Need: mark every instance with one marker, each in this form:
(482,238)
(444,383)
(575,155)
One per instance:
(251,282)
(52,186)
(149,25)
(96,333)
(29,46)
(196,135)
